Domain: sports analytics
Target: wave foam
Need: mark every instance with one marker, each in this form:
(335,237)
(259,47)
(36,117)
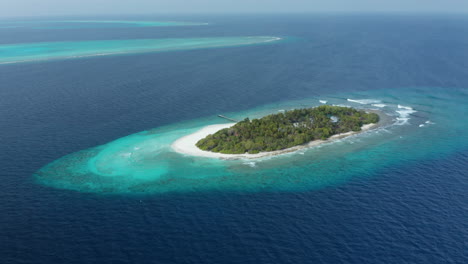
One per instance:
(403,114)
(251,164)
(322,101)
(364,101)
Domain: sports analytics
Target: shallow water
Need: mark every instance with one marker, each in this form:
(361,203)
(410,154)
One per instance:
(420,126)
(76,24)
(15,53)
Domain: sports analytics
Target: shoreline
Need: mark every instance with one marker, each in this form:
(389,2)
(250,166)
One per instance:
(186,144)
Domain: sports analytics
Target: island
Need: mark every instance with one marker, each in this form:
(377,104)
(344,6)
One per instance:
(286,130)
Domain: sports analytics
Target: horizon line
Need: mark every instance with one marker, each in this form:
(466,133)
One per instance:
(243,13)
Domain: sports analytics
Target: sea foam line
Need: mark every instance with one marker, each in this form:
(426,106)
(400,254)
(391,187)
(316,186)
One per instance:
(364,101)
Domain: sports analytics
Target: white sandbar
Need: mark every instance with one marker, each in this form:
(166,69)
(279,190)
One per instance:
(187,144)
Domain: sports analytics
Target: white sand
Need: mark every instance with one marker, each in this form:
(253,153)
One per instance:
(186,145)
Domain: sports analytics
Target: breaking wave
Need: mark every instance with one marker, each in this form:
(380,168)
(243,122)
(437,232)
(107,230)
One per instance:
(364,101)
(404,114)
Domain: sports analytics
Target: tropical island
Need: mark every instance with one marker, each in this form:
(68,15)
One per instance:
(286,130)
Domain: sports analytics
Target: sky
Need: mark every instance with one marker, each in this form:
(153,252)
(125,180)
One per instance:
(9,8)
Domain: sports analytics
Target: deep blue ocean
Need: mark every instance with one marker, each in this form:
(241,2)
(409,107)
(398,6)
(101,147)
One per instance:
(411,207)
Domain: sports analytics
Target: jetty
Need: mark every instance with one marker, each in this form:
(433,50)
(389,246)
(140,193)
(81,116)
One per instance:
(230,119)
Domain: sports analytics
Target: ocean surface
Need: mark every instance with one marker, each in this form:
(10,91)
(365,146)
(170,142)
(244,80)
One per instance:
(88,174)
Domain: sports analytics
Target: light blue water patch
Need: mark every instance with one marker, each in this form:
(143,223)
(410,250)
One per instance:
(15,53)
(9,27)
(420,125)
(71,24)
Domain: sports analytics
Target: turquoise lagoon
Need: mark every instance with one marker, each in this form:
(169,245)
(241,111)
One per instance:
(71,24)
(420,125)
(14,53)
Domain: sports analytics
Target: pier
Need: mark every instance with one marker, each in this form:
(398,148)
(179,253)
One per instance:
(230,119)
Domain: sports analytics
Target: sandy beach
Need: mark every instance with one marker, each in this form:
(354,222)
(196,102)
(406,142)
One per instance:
(186,145)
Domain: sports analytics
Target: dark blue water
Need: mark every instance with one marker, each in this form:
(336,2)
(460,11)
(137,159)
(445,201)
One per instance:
(415,212)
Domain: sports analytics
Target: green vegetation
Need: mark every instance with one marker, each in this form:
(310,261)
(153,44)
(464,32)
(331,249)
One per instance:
(285,130)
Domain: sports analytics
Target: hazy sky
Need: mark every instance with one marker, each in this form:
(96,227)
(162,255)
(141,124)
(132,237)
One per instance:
(83,7)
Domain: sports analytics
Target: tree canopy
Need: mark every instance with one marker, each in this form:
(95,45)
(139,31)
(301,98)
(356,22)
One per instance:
(285,130)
